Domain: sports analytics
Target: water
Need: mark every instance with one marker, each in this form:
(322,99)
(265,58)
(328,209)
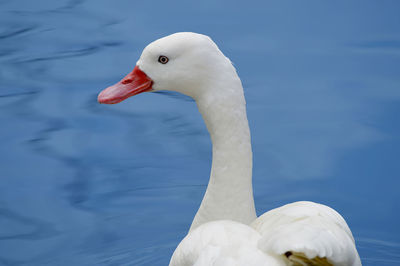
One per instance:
(89,184)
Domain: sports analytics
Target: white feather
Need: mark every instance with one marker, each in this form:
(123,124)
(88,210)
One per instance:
(222,243)
(309,228)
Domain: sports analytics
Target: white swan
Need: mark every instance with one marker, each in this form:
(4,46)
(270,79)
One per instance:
(225,230)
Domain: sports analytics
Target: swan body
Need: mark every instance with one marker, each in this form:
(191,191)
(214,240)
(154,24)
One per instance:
(300,233)
(226,230)
(223,242)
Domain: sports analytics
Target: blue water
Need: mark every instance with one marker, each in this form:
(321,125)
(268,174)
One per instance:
(89,184)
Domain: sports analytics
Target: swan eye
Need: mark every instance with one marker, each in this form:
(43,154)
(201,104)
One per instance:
(163,59)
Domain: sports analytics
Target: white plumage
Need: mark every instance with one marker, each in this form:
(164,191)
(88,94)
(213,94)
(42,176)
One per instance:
(223,243)
(309,228)
(225,230)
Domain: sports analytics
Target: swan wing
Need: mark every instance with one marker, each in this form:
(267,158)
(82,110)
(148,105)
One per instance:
(307,233)
(223,243)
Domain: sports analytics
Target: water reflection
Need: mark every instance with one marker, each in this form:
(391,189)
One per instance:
(85,184)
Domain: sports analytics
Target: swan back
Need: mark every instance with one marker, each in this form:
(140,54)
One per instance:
(300,233)
(310,229)
(222,243)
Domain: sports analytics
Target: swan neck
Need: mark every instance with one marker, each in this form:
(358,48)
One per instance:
(229,193)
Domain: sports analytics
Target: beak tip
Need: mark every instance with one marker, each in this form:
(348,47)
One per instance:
(100,99)
(104,98)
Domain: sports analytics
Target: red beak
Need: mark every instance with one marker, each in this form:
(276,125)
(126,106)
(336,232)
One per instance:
(134,83)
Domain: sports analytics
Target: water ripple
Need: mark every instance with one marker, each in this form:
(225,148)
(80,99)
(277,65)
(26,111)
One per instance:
(15,32)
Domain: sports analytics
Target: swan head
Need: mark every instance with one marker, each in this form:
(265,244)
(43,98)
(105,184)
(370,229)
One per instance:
(184,62)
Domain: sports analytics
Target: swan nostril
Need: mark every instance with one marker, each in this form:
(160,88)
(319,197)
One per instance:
(288,254)
(126,81)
